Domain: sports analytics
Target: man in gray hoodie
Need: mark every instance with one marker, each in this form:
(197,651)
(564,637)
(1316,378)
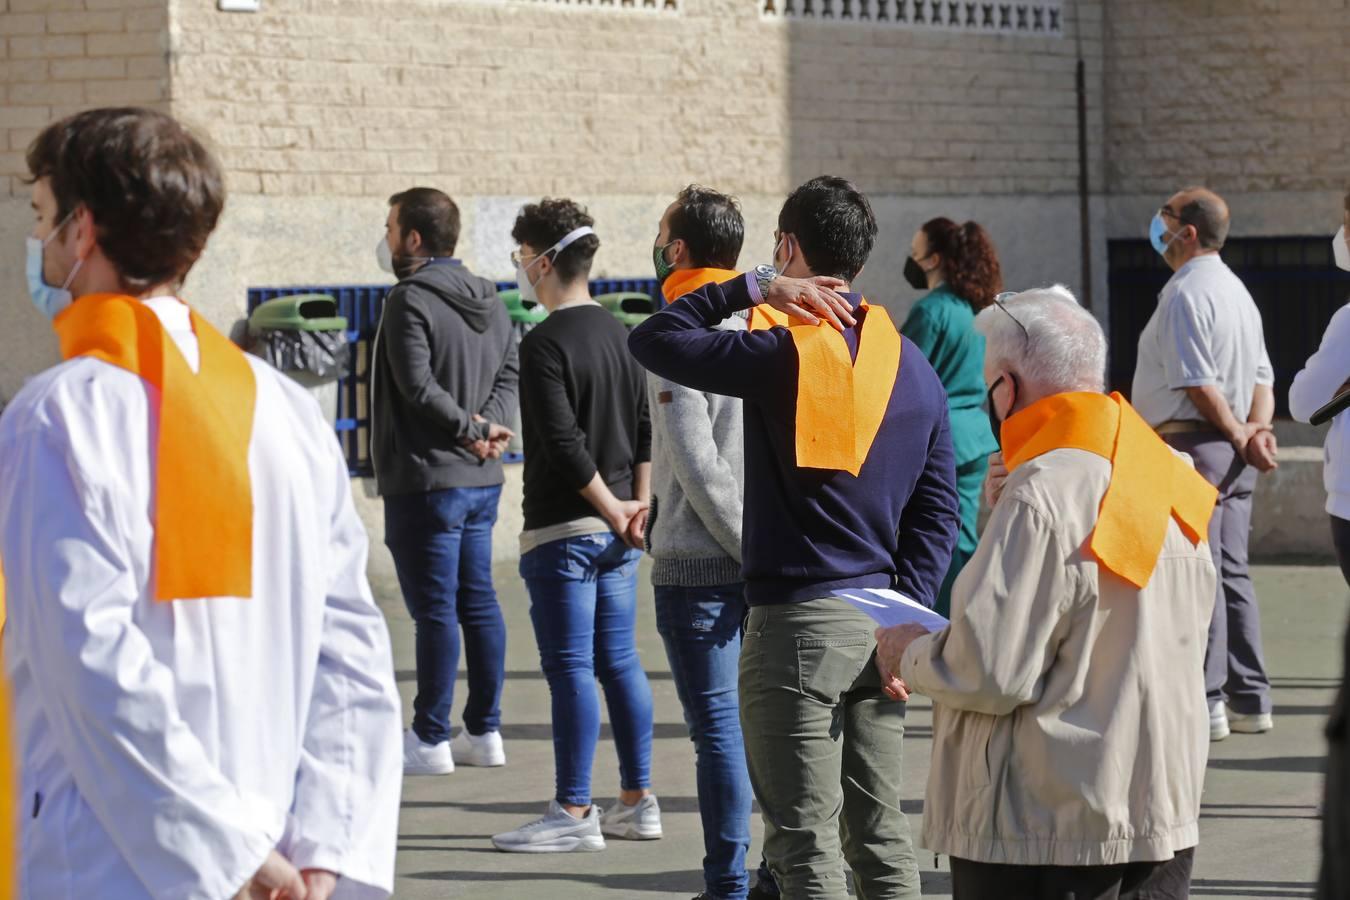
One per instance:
(444,377)
(693,532)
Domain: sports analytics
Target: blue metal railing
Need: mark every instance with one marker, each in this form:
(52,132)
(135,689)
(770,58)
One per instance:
(362,306)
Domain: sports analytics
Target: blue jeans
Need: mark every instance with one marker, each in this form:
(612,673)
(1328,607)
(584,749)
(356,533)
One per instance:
(701,628)
(441,542)
(583,603)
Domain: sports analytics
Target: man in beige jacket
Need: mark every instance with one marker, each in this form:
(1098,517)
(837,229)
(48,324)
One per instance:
(1070,727)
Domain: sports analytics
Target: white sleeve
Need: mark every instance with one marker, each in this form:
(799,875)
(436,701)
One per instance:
(1325,371)
(345,815)
(178,823)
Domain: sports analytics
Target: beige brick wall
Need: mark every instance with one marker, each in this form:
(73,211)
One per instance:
(60,56)
(358,98)
(1249,96)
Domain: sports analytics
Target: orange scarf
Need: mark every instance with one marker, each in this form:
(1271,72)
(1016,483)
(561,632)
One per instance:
(203,515)
(841,402)
(1149,483)
(684,282)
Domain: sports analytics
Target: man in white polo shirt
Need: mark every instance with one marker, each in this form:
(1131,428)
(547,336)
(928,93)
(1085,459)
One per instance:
(1204,382)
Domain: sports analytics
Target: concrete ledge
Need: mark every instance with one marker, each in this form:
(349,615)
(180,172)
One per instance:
(1289,520)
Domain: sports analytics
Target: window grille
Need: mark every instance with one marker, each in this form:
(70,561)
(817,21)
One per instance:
(979,17)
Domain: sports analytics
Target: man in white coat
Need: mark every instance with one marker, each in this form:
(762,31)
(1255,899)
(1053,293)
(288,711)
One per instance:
(203,687)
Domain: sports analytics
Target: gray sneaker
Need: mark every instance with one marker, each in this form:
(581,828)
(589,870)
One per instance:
(639,822)
(557,832)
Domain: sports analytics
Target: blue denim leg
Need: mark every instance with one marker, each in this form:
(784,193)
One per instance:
(628,694)
(424,533)
(701,628)
(582,592)
(481,617)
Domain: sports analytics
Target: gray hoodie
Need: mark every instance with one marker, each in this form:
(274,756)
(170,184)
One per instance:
(445,351)
(698,475)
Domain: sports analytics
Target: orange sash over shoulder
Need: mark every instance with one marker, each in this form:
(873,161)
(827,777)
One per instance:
(203,508)
(685,281)
(1149,483)
(841,402)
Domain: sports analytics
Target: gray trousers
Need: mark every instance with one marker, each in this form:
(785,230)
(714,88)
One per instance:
(823,743)
(1234,665)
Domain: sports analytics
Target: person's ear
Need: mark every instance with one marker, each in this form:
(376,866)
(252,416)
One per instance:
(676,252)
(412,242)
(83,231)
(545,264)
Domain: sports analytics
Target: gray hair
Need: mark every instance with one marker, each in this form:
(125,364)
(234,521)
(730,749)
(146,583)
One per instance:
(1063,348)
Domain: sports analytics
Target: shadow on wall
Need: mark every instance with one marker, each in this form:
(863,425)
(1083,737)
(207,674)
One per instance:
(963,109)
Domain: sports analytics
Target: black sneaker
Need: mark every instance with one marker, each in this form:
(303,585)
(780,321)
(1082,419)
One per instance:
(760,892)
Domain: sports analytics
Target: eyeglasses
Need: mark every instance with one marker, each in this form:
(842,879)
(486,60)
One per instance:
(1001,302)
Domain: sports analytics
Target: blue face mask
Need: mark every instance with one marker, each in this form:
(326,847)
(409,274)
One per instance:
(49,300)
(1157,235)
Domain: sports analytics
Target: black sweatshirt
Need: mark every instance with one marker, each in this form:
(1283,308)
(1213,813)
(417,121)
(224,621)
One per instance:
(583,409)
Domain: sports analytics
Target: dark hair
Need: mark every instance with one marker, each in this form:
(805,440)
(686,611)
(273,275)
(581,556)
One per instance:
(430,213)
(833,224)
(969,261)
(1208,215)
(154,191)
(543,224)
(710,224)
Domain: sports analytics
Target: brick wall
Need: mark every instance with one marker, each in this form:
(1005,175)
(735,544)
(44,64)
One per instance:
(60,56)
(1244,95)
(945,114)
(358,97)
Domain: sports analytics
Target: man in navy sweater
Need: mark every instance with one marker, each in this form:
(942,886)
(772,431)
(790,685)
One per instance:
(849,483)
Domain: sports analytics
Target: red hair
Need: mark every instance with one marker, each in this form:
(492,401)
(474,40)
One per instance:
(969,261)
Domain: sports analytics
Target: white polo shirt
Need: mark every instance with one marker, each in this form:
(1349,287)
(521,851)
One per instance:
(1206,330)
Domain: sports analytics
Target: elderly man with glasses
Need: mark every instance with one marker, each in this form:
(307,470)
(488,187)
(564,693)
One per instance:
(1069,740)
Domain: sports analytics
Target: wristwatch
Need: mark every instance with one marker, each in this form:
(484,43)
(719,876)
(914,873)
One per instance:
(764,276)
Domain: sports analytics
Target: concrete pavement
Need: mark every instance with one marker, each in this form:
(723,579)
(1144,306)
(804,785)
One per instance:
(1259,834)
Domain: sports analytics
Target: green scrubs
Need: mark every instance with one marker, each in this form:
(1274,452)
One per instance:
(943,326)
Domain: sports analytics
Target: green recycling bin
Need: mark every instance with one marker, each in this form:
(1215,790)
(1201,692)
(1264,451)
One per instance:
(298,312)
(629,307)
(519,312)
(303,336)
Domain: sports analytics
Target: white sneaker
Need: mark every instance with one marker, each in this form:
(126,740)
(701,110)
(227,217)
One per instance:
(1254,724)
(1218,721)
(478,749)
(639,822)
(426,759)
(557,832)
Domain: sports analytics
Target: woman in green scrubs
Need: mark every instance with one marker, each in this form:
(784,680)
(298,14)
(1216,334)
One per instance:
(958,266)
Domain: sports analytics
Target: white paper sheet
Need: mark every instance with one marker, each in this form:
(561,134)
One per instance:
(889,608)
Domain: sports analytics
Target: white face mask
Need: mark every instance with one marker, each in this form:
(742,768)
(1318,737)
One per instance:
(527,291)
(384,256)
(1340,250)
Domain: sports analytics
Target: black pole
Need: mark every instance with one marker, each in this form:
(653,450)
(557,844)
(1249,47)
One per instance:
(1084,222)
